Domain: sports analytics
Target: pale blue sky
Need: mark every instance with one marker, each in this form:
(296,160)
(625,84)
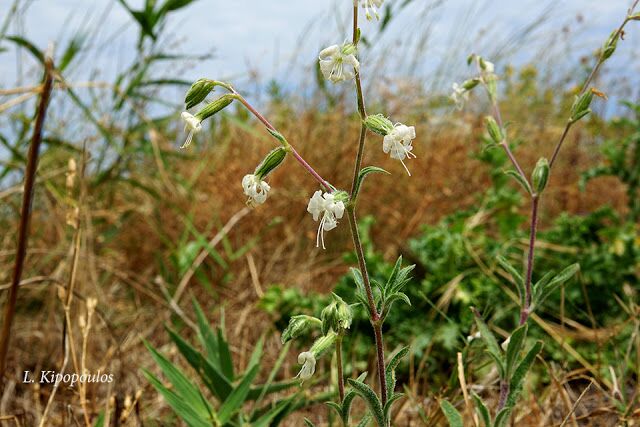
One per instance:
(263,35)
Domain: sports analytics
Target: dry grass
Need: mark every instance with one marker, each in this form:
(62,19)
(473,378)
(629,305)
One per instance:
(127,238)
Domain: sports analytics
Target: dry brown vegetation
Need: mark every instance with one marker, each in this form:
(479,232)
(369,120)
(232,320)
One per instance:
(127,237)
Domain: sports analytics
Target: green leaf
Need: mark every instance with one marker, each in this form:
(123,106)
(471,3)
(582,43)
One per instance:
(372,401)
(100,421)
(517,277)
(499,362)
(266,419)
(543,292)
(517,379)
(348,400)
(363,174)
(226,363)
(22,42)
(366,419)
(336,407)
(208,338)
(178,404)
(519,179)
(74,46)
(482,409)
(361,293)
(256,355)
(211,375)
(238,396)
(308,423)
(488,337)
(503,417)
(513,348)
(181,384)
(452,414)
(390,370)
(387,406)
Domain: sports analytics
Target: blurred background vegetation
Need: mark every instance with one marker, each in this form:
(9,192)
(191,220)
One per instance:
(157,228)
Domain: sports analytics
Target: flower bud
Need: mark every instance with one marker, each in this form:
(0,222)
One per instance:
(298,326)
(540,175)
(581,105)
(377,123)
(470,84)
(610,46)
(198,92)
(337,316)
(270,162)
(495,131)
(214,107)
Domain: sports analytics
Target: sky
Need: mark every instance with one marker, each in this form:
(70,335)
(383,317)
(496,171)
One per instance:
(246,36)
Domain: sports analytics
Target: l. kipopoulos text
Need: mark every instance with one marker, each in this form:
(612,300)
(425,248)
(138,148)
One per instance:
(70,379)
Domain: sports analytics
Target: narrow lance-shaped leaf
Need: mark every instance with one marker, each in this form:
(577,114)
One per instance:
(482,409)
(238,396)
(517,379)
(363,174)
(487,335)
(503,417)
(213,378)
(181,384)
(517,277)
(178,404)
(519,179)
(390,374)
(515,345)
(371,399)
(453,416)
(348,400)
(543,292)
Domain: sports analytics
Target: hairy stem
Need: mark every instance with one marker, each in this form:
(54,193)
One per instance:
(504,392)
(25,216)
(504,144)
(524,314)
(340,367)
(353,222)
(324,183)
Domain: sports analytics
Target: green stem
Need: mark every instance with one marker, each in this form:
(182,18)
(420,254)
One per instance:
(340,367)
(353,223)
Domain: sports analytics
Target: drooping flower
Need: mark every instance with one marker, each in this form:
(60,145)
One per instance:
(255,188)
(398,143)
(339,63)
(373,5)
(326,208)
(193,124)
(308,362)
(459,96)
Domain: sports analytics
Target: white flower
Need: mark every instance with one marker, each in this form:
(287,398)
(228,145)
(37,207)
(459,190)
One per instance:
(373,5)
(193,124)
(460,95)
(255,188)
(331,211)
(308,362)
(398,143)
(489,67)
(487,70)
(338,63)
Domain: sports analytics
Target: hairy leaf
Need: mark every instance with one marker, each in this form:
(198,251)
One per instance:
(453,416)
